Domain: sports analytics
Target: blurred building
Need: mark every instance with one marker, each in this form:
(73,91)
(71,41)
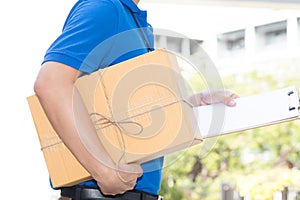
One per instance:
(238,35)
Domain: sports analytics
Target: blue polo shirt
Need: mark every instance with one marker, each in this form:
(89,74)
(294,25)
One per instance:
(98,34)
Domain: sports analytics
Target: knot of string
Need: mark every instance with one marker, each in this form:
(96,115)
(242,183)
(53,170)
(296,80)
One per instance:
(101,121)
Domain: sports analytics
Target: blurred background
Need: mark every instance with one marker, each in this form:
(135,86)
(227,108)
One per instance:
(254,44)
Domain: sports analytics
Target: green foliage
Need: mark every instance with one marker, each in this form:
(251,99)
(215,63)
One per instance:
(170,190)
(262,184)
(257,162)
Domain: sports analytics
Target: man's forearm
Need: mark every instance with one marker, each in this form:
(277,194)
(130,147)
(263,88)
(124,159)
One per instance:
(67,113)
(69,118)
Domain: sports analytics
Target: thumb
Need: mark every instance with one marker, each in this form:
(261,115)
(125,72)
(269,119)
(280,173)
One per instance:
(230,100)
(231,103)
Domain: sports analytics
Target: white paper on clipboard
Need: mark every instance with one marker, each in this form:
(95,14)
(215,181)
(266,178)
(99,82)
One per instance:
(250,112)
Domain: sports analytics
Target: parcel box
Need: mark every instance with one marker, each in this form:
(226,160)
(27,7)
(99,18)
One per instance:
(63,168)
(140,109)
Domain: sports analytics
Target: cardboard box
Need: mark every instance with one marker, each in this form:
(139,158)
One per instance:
(146,101)
(63,168)
(144,112)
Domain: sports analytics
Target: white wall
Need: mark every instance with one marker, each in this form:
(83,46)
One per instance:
(27,29)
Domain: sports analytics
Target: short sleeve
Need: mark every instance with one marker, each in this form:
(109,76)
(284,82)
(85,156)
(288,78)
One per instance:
(88,25)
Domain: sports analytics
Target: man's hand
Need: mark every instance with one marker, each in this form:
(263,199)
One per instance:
(118,181)
(213,97)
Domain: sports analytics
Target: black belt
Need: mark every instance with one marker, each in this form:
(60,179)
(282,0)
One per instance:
(87,193)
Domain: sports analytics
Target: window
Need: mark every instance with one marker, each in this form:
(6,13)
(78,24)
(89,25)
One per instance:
(195,46)
(177,44)
(231,42)
(156,41)
(272,34)
(174,44)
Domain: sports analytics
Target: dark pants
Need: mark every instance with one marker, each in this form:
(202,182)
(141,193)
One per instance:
(87,193)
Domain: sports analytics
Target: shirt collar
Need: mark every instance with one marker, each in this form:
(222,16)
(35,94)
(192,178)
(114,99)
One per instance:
(131,5)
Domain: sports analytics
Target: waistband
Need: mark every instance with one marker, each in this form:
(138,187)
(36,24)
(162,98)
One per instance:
(89,193)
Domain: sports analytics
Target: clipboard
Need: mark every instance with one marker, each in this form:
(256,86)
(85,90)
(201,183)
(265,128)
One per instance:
(249,113)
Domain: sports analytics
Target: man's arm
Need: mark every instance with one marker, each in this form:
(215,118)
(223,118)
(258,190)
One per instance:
(55,89)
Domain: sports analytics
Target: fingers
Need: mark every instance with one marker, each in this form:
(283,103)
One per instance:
(118,183)
(120,179)
(129,173)
(135,169)
(214,97)
(139,170)
(117,187)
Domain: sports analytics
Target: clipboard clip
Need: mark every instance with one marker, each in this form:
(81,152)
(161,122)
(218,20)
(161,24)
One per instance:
(291,108)
(290,93)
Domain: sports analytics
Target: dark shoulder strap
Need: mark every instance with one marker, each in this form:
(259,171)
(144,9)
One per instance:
(141,32)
